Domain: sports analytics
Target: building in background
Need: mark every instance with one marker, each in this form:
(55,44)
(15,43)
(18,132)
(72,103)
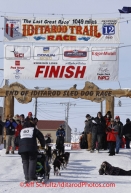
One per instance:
(51,126)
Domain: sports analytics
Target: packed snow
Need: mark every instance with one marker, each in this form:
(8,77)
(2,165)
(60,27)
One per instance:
(81,171)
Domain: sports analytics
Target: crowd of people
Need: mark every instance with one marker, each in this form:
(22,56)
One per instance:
(10,129)
(104,132)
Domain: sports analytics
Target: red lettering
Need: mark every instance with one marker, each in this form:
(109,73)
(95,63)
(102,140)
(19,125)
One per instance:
(59,38)
(19,55)
(51,37)
(96,33)
(54,71)
(30,30)
(46,71)
(66,37)
(78,29)
(80,71)
(69,71)
(72,29)
(72,38)
(47,29)
(62,72)
(39,71)
(103,77)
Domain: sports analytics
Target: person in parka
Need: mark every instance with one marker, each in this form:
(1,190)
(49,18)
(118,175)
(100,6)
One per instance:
(28,149)
(1,129)
(10,126)
(88,131)
(98,130)
(127,132)
(119,136)
(112,136)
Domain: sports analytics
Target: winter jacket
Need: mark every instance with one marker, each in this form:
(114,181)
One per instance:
(110,170)
(99,125)
(18,129)
(88,126)
(119,128)
(112,133)
(10,127)
(60,132)
(1,127)
(127,130)
(108,122)
(27,142)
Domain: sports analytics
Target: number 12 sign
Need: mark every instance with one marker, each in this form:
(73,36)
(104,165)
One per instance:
(108,30)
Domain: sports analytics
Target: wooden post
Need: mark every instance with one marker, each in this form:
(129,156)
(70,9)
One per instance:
(110,105)
(8,106)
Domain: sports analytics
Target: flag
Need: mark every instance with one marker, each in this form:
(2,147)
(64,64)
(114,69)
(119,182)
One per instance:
(125,10)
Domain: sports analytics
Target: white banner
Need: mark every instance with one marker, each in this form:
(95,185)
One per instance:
(61,30)
(60,62)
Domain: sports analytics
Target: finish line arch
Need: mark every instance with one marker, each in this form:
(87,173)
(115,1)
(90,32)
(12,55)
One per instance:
(89,92)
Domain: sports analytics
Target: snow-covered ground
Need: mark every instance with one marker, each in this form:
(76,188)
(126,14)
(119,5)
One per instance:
(83,168)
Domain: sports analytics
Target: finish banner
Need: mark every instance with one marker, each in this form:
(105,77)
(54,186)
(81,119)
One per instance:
(48,30)
(60,62)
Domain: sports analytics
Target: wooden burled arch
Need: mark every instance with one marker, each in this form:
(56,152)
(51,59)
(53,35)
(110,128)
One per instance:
(89,92)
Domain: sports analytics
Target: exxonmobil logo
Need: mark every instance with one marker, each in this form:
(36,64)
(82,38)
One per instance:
(103,77)
(60,71)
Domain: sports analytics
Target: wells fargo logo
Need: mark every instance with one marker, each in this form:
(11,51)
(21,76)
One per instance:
(63,32)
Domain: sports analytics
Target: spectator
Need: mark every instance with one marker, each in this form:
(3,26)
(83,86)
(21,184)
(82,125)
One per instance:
(22,119)
(10,126)
(111,137)
(88,131)
(1,129)
(127,133)
(35,122)
(60,131)
(29,118)
(83,141)
(19,126)
(107,117)
(28,149)
(60,139)
(119,136)
(98,130)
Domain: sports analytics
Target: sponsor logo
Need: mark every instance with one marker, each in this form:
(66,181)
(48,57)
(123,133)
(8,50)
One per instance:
(103,77)
(75,54)
(17,54)
(12,28)
(46,56)
(17,63)
(103,69)
(37,38)
(104,53)
(84,38)
(76,63)
(46,49)
(17,73)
